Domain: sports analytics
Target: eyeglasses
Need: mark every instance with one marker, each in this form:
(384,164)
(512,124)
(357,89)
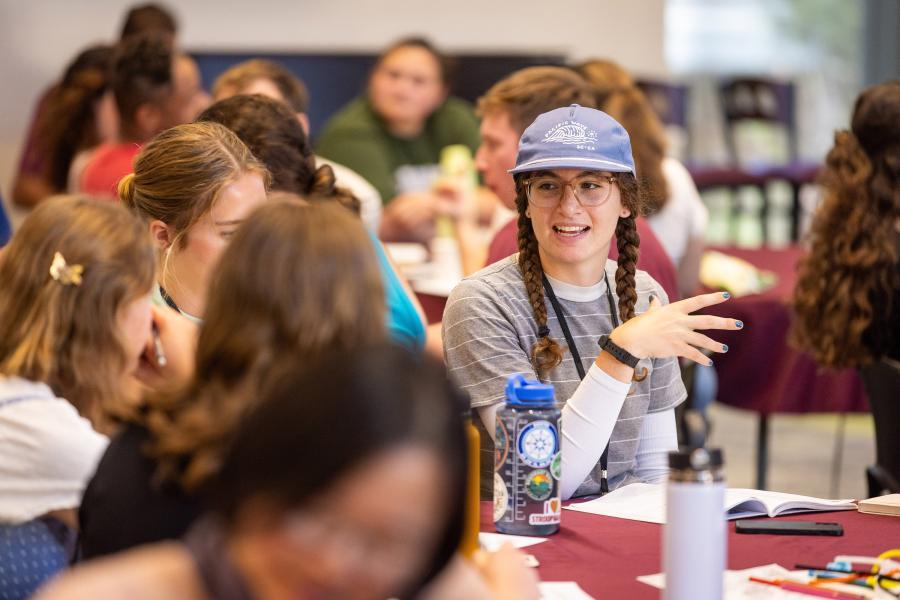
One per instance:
(589,190)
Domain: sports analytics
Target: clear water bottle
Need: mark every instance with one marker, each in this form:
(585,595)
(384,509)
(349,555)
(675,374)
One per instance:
(528,461)
(694,549)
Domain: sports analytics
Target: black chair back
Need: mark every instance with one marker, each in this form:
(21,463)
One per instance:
(882,383)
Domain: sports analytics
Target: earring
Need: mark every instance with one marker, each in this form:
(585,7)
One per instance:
(528,212)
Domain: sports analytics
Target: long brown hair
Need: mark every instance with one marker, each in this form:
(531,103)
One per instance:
(64,333)
(546,353)
(619,96)
(849,284)
(320,289)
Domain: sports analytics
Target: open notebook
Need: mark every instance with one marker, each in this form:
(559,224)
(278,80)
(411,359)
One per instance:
(647,502)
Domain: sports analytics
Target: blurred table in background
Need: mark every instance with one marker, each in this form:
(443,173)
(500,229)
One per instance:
(761,372)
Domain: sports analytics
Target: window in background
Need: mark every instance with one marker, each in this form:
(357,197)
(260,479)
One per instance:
(815,44)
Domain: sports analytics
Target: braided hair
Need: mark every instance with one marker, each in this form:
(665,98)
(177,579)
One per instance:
(546,353)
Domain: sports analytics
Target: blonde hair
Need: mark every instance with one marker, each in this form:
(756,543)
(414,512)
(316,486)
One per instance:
(530,92)
(321,290)
(239,77)
(618,95)
(62,332)
(179,175)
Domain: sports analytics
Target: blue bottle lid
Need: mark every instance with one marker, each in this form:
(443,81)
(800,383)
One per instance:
(528,393)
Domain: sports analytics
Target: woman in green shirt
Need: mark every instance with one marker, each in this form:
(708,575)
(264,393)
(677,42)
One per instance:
(393,135)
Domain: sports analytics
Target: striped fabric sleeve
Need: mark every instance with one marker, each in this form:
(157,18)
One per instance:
(481,346)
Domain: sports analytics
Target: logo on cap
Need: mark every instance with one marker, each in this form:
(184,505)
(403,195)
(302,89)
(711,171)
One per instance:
(572,133)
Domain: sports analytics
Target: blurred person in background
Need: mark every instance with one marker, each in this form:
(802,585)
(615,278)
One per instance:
(36,178)
(677,215)
(155,88)
(258,76)
(394,134)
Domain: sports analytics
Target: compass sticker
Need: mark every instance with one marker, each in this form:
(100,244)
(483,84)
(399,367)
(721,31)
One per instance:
(537,444)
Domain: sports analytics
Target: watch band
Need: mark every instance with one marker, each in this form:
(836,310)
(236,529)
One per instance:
(618,352)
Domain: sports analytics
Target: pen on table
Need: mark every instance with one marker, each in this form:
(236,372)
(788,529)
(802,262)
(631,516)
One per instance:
(859,572)
(161,359)
(809,590)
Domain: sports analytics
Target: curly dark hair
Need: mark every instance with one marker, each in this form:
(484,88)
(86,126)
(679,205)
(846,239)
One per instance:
(142,72)
(69,122)
(146,18)
(271,131)
(849,284)
(546,352)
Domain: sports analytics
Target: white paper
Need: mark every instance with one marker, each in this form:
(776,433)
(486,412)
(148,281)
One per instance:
(562,590)
(494,541)
(647,502)
(738,585)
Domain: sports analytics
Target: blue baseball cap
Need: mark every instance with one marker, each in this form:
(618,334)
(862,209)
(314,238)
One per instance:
(575,137)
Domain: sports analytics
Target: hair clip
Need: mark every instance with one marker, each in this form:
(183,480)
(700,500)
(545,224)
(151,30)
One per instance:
(543,331)
(64,273)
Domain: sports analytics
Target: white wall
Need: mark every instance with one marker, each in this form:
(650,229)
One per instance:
(38,38)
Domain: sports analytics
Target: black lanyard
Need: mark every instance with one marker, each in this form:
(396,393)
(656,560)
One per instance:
(560,316)
(168,300)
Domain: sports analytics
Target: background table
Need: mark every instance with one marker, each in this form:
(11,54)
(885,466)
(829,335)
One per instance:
(760,371)
(605,555)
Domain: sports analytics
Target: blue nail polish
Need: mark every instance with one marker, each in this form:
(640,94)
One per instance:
(739,324)
(726,295)
(710,363)
(724,347)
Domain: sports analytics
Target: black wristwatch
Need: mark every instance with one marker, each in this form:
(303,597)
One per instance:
(618,352)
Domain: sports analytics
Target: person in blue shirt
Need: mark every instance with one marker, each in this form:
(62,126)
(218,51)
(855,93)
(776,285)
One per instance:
(5,227)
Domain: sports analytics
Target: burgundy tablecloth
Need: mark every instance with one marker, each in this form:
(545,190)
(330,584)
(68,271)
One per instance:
(761,372)
(605,555)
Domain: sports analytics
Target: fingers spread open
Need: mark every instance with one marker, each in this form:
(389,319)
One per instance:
(689,305)
(698,340)
(711,322)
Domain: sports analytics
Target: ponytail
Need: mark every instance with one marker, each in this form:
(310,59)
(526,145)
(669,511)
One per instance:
(125,190)
(323,186)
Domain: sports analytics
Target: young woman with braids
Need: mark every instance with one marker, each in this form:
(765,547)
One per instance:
(575,186)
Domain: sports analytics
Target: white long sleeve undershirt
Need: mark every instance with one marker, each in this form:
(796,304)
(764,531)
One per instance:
(589,417)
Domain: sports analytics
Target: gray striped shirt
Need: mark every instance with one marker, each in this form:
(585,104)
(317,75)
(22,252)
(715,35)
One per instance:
(489,329)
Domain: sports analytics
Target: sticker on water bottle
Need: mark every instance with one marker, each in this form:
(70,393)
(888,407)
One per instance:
(539,485)
(501,497)
(537,444)
(556,466)
(550,516)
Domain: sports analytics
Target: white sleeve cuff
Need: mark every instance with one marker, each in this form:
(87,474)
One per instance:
(657,438)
